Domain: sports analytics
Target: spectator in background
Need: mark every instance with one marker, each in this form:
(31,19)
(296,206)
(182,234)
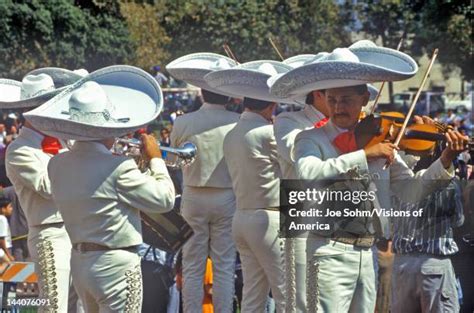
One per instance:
(164,140)
(5,235)
(159,76)
(18,225)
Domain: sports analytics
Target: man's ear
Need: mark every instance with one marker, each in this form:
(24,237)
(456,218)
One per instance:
(366,98)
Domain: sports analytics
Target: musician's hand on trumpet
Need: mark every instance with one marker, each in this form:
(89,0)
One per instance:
(150,148)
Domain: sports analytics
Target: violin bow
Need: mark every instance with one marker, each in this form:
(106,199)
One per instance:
(413,104)
(275,48)
(374,106)
(229,52)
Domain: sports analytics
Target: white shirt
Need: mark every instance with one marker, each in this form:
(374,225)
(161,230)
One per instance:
(5,231)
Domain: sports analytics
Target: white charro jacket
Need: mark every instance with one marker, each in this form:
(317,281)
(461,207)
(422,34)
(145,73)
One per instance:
(27,169)
(251,155)
(100,194)
(206,128)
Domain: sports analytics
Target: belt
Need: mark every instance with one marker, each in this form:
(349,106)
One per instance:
(362,242)
(90,246)
(272,209)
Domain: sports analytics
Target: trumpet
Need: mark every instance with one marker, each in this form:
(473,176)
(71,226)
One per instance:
(184,154)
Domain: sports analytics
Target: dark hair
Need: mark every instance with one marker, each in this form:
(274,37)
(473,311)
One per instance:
(4,202)
(255,104)
(359,89)
(310,96)
(214,98)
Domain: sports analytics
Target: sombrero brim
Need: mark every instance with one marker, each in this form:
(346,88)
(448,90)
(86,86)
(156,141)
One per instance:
(61,77)
(134,93)
(245,81)
(193,67)
(10,95)
(334,74)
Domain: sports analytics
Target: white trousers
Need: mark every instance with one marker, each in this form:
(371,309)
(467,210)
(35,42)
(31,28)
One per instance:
(300,273)
(108,281)
(50,250)
(261,252)
(209,212)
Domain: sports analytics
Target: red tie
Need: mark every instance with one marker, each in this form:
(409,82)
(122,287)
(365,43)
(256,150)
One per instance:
(51,145)
(321,123)
(345,142)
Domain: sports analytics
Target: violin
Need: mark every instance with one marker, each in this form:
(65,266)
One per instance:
(417,139)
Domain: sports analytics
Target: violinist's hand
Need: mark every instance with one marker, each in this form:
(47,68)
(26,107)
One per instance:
(150,147)
(383,150)
(456,143)
(423,120)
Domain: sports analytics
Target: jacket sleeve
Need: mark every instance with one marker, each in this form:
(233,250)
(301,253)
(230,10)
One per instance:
(414,187)
(285,134)
(151,192)
(310,165)
(30,170)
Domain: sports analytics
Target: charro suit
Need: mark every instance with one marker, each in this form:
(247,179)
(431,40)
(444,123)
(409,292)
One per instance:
(100,196)
(48,242)
(251,155)
(208,205)
(317,158)
(287,126)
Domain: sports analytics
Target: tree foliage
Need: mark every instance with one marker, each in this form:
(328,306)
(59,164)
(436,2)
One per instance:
(426,25)
(147,35)
(298,26)
(59,33)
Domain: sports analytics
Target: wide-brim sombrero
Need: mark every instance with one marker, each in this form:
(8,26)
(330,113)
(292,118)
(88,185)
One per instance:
(248,80)
(345,67)
(134,96)
(193,67)
(299,60)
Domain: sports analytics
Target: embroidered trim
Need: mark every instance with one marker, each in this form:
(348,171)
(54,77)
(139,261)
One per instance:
(312,286)
(47,275)
(134,289)
(290,270)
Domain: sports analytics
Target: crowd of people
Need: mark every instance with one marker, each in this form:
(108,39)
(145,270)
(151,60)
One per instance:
(84,204)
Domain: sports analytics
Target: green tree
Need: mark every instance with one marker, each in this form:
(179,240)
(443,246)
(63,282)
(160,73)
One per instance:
(388,21)
(298,27)
(447,25)
(59,33)
(425,25)
(146,33)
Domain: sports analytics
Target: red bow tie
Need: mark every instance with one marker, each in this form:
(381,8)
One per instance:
(51,145)
(345,142)
(321,123)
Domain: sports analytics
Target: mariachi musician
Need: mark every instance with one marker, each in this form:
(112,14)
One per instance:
(250,153)
(208,201)
(27,159)
(287,126)
(100,195)
(330,152)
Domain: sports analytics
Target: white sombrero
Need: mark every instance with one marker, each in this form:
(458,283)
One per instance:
(361,64)
(248,80)
(193,67)
(61,76)
(32,91)
(299,60)
(109,102)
